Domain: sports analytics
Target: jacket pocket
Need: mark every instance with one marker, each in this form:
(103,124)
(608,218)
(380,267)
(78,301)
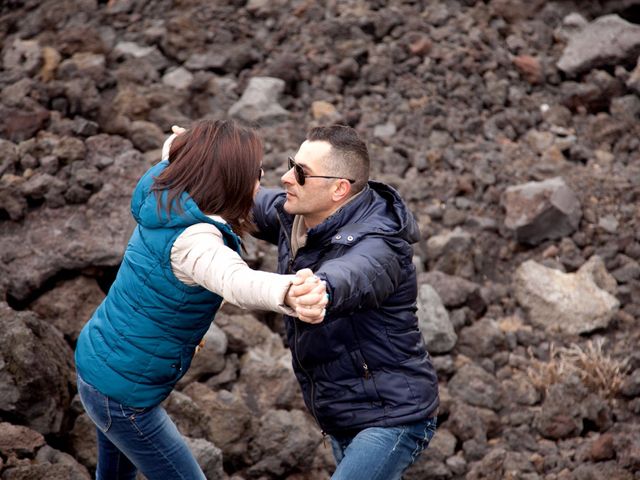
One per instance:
(366,376)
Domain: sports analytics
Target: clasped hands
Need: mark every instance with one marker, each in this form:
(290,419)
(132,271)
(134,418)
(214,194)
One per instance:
(307,295)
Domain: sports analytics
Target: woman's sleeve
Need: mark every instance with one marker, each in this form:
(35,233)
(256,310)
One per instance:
(200,257)
(166,147)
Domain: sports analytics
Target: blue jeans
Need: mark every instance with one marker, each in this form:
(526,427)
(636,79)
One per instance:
(132,439)
(380,453)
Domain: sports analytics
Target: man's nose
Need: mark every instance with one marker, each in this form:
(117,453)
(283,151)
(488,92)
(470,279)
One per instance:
(288,178)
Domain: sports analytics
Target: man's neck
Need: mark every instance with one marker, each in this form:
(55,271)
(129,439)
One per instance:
(311,221)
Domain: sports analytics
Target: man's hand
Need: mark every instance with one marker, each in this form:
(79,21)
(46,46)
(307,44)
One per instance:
(308,296)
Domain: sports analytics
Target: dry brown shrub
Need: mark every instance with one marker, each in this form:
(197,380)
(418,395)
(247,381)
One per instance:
(598,371)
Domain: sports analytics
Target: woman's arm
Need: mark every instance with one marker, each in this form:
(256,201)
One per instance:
(200,257)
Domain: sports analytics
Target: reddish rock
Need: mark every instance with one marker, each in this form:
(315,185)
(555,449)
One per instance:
(18,124)
(19,440)
(419,44)
(603,448)
(530,68)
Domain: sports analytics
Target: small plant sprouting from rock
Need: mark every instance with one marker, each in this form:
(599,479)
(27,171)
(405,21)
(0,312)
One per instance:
(598,371)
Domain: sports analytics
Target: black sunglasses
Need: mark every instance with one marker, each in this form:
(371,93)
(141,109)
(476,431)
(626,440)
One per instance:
(301,176)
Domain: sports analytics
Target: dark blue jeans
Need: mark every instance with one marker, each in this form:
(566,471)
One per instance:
(380,453)
(132,439)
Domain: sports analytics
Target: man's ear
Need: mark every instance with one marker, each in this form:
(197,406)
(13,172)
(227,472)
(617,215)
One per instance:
(341,191)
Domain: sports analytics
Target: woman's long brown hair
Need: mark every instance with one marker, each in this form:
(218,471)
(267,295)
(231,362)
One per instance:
(217,164)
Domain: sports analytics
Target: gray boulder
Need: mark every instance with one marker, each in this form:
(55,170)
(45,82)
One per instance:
(633,82)
(469,423)
(36,371)
(146,136)
(179,78)
(76,237)
(573,303)
(477,387)
(63,462)
(9,157)
(218,416)
(83,64)
(258,103)
(69,305)
(607,41)
(561,415)
(433,319)
(266,378)
(24,56)
(84,444)
(208,456)
(481,339)
(537,211)
(243,331)
(454,291)
(451,252)
(285,440)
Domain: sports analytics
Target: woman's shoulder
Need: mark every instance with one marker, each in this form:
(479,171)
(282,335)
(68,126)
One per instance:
(199,229)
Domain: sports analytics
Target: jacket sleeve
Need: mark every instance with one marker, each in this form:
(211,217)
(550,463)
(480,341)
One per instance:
(363,277)
(200,257)
(265,215)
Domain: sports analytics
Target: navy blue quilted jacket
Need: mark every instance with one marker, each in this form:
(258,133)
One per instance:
(366,363)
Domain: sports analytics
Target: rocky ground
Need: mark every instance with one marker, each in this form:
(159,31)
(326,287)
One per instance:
(510,127)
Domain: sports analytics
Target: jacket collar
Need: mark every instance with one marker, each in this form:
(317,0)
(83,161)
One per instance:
(377,210)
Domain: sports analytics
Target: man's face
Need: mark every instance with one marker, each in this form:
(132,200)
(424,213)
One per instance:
(313,199)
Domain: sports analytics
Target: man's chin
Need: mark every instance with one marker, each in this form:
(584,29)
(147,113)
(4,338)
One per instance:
(292,208)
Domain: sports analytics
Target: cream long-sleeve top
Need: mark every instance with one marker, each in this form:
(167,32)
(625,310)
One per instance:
(200,257)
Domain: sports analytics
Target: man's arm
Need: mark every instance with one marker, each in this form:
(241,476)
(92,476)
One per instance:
(265,215)
(364,276)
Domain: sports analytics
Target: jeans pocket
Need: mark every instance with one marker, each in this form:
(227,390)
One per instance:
(423,433)
(95,404)
(430,428)
(131,412)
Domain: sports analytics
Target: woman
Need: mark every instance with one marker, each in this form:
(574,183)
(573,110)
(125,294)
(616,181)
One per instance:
(181,261)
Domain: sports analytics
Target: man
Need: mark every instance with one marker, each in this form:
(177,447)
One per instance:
(364,371)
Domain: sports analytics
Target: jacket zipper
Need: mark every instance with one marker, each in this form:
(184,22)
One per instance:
(295,343)
(367,373)
(313,385)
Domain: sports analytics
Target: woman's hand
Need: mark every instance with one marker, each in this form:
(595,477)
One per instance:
(308,296)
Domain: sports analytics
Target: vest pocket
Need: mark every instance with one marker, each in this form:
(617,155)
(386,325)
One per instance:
(186,356)
(164,371)
(179,366)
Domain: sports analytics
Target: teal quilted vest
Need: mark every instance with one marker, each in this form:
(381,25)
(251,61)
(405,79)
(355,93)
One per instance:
(141,339)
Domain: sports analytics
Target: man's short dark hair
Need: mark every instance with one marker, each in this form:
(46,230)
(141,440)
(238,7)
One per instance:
(349,157)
